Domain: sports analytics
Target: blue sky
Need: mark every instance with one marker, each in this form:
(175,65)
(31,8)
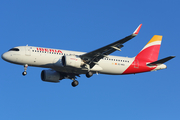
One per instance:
(85,26)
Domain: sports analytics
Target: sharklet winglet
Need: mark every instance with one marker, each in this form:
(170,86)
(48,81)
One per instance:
(137,30)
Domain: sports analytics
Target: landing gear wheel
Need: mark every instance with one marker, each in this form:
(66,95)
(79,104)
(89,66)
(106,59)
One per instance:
(24,73)
(25,68)
(89,74)
(74,83)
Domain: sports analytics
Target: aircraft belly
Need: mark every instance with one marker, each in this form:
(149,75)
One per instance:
(70,70)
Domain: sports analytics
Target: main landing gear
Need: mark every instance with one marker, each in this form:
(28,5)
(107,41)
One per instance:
(25,68)
(74,83)
(73,78)
(89,74)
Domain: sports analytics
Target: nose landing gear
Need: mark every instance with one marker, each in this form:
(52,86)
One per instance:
(24,73)
(25,68)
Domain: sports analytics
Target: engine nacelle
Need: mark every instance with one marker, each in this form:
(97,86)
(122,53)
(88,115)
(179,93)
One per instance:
(58,62)
(72,61)
(51,76)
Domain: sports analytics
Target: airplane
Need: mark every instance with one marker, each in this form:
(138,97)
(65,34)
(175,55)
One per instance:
(65,64)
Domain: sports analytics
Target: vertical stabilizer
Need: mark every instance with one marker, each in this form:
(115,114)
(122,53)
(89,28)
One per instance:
(151,50)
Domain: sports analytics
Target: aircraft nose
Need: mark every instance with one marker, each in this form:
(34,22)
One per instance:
(4,56)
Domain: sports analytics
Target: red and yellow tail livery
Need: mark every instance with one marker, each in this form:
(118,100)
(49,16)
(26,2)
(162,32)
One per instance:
(151,50)
(148,55)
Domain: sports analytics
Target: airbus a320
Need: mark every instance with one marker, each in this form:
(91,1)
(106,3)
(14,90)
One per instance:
(65,64)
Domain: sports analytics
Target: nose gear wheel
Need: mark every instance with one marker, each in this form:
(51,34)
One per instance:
(25,68)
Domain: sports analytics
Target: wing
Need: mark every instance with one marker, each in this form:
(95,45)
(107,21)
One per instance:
(91,58)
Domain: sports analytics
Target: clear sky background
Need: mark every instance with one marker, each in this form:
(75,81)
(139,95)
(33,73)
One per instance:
(85,26)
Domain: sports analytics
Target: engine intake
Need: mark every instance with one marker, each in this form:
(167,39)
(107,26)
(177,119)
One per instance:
(51,76)
(72,61)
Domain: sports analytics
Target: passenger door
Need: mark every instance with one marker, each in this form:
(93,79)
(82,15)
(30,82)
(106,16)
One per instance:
(27,50)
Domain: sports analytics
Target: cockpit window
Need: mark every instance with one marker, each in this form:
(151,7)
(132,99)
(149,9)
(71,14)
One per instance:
(14,49)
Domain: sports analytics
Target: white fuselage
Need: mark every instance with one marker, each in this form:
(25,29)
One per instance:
(51,58)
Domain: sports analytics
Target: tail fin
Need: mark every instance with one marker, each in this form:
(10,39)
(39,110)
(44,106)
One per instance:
(151,50)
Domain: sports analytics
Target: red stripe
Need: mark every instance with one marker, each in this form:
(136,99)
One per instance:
(138,67)
(147,55)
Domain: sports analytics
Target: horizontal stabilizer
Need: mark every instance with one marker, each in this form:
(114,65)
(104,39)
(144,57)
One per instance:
(160,61)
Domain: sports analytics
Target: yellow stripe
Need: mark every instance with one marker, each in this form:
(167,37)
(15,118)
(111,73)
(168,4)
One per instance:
(155,38)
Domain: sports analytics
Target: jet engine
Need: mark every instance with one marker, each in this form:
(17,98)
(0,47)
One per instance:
(51,76)
(72,61)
